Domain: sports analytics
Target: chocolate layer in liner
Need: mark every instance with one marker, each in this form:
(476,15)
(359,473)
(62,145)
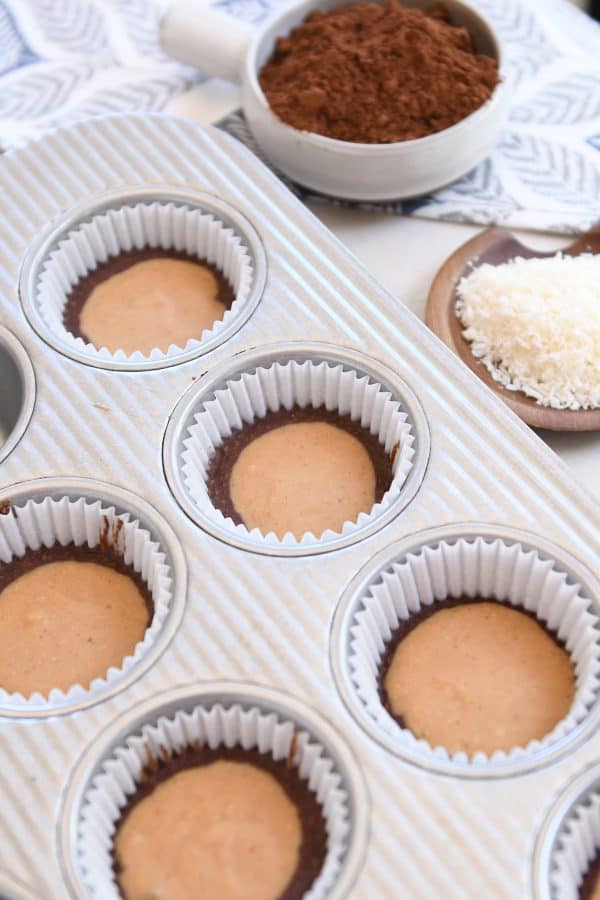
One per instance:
(82,289)
(408,625)
(103,555)
(590,879)
(225,456)
(313,848)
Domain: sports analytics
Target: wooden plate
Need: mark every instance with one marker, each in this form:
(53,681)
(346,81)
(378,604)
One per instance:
(496,246)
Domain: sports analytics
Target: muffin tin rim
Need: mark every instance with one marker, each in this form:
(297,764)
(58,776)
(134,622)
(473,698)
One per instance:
(123,500)
(568,797)
(22,360)
(145,192)
(245,360)
(349,603)
(210,692)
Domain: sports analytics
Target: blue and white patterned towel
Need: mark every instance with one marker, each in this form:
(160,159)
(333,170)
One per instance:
(66,59)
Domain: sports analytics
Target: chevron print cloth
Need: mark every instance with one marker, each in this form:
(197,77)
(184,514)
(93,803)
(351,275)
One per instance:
(62,60)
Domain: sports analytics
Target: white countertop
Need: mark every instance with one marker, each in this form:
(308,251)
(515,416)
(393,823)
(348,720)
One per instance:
(404,254)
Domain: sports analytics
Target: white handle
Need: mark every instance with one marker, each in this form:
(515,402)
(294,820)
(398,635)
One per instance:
(195,33)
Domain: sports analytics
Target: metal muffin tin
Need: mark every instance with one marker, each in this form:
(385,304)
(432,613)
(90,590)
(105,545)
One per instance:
(251,617)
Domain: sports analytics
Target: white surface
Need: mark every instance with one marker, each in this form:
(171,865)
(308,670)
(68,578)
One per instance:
(404,254)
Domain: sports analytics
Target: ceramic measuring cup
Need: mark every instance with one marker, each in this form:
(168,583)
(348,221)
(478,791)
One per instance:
(197,34)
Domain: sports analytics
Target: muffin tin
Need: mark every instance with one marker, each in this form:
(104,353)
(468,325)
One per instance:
(263,619)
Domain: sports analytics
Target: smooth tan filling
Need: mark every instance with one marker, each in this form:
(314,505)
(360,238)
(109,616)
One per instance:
(224,831)
(151,305)
(307,476)
(66,623)
(480,676)
(595,895)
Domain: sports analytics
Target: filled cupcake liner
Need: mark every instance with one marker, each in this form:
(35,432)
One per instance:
(477,568)
(251,395)
(216,725)
(577,845)
(44,523)
(164,225)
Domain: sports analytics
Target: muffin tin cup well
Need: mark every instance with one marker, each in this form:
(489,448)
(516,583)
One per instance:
(503,564)
(53,511)
(168,218)
(281,376)
(17,397)
(569,839)
(224,714)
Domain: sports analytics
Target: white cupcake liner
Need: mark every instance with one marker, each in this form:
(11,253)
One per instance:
(37,524)
(165,225)
(250,395)
(216,725)
(485,568)
(577,845)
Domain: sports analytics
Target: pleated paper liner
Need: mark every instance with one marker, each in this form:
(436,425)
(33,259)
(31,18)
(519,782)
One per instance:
(577,846)
(248,395)
(45,522)
(182,224)
(227,723)
(481,567)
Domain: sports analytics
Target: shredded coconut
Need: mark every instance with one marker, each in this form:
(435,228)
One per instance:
(535,324)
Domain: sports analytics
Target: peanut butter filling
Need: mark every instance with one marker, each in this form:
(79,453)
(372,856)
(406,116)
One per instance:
(223,831)
(151,305)
(307,476)
(66,623)
(479,677)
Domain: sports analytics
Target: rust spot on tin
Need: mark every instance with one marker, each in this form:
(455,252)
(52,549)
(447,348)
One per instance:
(6,508)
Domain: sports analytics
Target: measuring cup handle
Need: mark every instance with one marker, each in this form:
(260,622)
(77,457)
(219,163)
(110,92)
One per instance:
(195,33)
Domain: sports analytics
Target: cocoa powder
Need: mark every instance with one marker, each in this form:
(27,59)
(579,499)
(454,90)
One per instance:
(376,73)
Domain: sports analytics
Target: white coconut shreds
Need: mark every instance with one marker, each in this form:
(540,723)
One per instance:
(535,324)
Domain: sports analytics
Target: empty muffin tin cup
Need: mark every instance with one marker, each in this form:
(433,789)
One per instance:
(221,714)
(166,218)
(53,511)
(502,564)
(281,377)
(17,397)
